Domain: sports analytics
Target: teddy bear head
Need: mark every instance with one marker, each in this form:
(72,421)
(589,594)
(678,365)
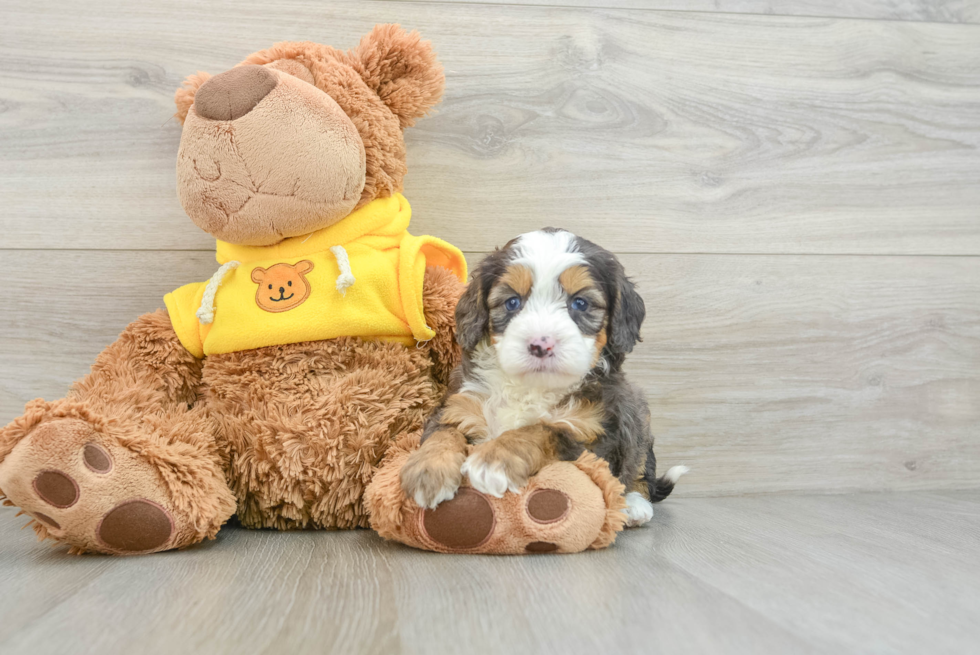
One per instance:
(298,136)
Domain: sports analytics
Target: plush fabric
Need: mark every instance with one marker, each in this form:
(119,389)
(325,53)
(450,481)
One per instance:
(293,164)
(281,409)
(567,507)
(287,436)
(385,84)
(383,299)
(140,405)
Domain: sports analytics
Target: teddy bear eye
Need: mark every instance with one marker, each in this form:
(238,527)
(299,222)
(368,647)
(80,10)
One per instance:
(290,283)
(270,286)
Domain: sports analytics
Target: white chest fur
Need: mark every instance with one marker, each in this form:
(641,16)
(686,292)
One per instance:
(508,404)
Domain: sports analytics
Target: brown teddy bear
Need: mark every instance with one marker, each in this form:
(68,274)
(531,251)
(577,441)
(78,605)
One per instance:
(325,335)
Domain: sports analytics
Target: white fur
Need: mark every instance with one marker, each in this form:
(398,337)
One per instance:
(487,478)
(674,473)
(547,254)
(638,510)
(509,402)
(448,491)
(519,389)
(545,314)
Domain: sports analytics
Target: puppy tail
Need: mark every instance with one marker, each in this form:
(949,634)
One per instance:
(661,487)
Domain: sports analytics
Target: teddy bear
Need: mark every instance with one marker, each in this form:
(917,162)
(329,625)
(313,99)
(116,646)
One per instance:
(276,389)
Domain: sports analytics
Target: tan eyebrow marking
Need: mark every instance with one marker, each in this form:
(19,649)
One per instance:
(576,278)
(518,277)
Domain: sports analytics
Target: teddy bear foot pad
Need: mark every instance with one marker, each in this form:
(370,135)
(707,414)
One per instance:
(469,521)
(82,487)
(567,507)
(80,490)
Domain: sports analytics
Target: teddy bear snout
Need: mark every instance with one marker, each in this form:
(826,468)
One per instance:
(234,93)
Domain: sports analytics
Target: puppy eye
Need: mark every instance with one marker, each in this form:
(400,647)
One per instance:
(513,303)
(580,304)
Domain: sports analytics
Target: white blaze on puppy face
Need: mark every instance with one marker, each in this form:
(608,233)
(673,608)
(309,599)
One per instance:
(543,316)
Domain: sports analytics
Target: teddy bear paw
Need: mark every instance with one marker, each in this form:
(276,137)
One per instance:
(560,511)
(470,521)
(86,490)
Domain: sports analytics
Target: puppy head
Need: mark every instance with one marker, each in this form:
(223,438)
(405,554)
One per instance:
(551,304)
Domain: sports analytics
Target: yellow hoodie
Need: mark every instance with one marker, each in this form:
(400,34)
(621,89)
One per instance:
(360,277)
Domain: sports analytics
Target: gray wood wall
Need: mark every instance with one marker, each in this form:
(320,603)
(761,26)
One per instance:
(795,184)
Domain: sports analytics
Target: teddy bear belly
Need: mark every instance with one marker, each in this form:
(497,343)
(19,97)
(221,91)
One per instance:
(304,425)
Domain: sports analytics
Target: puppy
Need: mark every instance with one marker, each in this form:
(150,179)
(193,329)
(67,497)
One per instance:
(544,325)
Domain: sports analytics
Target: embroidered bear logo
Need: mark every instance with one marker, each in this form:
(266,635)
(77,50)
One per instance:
(282,286)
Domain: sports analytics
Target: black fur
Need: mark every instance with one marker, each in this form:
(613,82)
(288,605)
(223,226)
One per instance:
(625,307)
(660,487)
(626,442)
(626,436)
(472,311)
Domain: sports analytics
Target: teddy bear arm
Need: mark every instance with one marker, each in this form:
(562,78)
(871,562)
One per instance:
(440,293)
(148,356)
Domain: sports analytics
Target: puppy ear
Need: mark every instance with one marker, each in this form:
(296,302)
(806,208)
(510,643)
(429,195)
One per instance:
(402,70)
(628,312)
(184,97)
(258,274)
(472,314)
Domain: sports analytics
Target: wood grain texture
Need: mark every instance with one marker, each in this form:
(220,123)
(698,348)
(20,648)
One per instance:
(651,131)
(764,373)
(893,573)
(775,373)
(932,11)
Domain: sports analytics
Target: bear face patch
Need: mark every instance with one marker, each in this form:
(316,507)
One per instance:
(282,286)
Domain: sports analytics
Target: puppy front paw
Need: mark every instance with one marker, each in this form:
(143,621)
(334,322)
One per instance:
(638,510)
(494,471)
(430,480)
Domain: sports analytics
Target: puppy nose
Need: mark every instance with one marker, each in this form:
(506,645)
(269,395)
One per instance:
(541,347)
(234,93)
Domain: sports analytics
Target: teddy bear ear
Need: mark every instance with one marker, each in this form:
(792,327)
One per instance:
(402,70)
(184,97)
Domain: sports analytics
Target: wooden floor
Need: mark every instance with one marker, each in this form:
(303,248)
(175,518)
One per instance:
(795,185)
(866,573)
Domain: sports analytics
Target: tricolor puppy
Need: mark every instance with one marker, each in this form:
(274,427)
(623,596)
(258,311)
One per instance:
(545,325)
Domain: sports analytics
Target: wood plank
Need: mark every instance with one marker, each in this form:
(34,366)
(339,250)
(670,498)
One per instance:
(77,304)
(863,573)
(931,11)
(776,373)
(652,131)
(766,574)
(765,373)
